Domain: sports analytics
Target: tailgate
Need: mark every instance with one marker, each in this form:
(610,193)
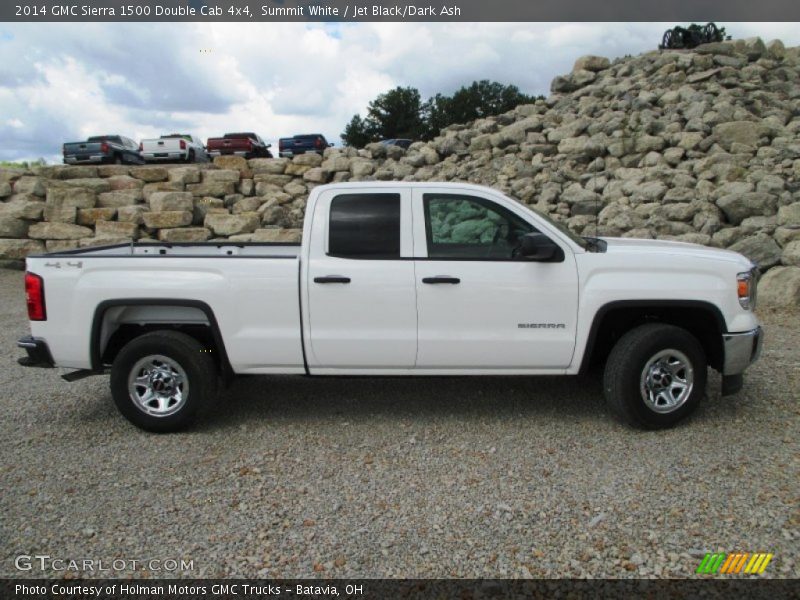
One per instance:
(82,148)
(170,145)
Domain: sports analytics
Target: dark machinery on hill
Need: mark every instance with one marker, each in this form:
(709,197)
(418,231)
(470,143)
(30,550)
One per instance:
(681,38)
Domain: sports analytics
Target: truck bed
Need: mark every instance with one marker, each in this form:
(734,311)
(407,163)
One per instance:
(186,249)
(253,303)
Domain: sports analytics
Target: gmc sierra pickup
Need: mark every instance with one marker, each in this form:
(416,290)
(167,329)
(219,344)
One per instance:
(397,279)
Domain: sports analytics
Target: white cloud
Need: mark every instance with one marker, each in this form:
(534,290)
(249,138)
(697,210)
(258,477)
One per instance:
(60,81)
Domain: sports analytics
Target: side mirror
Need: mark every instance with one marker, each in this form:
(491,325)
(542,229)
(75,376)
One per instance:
(538,247)
(269,145)
(331,145)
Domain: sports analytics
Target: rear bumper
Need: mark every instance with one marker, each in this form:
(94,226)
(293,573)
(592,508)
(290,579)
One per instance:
(76,160)
(741,350)
(158,156)
(214,153)
(38,353)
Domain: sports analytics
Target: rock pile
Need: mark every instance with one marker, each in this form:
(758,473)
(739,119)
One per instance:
(701,146)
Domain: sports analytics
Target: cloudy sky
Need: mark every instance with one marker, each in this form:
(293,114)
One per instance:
(64,82)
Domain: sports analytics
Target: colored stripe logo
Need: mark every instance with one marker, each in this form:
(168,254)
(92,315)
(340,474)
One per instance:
(734,563)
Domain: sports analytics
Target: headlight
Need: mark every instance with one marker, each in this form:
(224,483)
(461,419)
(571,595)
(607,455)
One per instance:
(746,285)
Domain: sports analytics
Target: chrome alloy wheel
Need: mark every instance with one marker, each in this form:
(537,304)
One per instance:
(667,380)
(158,385)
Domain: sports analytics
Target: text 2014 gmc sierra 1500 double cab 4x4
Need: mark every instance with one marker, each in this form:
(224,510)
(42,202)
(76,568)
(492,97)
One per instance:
(398,279)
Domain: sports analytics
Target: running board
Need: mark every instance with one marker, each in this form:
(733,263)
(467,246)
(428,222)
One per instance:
(81,374)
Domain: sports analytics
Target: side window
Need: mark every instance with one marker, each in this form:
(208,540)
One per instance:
(365,226)
(468,227)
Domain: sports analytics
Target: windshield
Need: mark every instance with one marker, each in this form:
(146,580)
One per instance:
(560,226)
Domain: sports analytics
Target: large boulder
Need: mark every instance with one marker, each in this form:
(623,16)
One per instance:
(167,219)
(19,249)
(747,133)
(221,175)
(759,248)
(164,201)
(58,231)
(116,230)
(791,254)
(184,234)
(738,207)
(285,236)
(30,185)
(780,287)
(150,174)
(591,63)
(71,197)
(12,227)
(224,224)
(120,198)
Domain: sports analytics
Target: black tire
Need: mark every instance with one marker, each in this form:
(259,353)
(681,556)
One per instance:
(625,381)
(190,157)
(199,371)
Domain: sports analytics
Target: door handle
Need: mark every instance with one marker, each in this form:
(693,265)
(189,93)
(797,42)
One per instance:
(332,279)
(441,279)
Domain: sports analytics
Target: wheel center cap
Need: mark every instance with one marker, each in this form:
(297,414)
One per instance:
(161,383)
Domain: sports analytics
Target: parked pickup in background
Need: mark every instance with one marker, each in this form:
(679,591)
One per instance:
(114,149)
(175,147)
(300,144)
(248,145)
(399,142)
(398,279)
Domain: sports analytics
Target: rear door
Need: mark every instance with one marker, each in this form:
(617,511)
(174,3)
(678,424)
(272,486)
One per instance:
(361,293)
(479,306)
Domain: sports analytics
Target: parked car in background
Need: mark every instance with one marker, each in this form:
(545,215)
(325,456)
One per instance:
(174,147)
(113,149)
(302,143)
(402,143)
(246,144)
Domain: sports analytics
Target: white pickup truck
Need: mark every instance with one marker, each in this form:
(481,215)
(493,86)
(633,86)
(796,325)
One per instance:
(397,279)
(174,147)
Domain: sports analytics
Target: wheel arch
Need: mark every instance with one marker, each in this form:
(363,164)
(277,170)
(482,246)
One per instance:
(97,347)
(702,319)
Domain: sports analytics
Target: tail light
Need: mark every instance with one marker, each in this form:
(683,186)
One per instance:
(104,147)
(318,143)
(34,295)
(183,144)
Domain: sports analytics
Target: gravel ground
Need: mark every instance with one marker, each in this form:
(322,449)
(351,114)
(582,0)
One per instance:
(492,477)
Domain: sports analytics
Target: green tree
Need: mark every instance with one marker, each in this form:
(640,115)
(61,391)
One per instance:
(393,114)
(357,133)
(400,113)
(480,99)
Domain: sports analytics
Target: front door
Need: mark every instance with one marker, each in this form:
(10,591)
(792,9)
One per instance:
(362,307)
(480,307)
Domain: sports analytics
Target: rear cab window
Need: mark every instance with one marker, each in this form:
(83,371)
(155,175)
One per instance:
(365,226)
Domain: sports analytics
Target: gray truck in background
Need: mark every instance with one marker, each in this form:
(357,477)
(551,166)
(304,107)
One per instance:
(103,149)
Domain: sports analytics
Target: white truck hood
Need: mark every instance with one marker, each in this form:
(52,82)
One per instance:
(646,246)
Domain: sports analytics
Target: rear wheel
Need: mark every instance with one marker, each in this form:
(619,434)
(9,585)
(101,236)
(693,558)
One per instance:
(655,376)
(160,380)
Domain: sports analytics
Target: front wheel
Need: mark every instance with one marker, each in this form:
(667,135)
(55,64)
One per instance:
(655,376)
(160,380)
